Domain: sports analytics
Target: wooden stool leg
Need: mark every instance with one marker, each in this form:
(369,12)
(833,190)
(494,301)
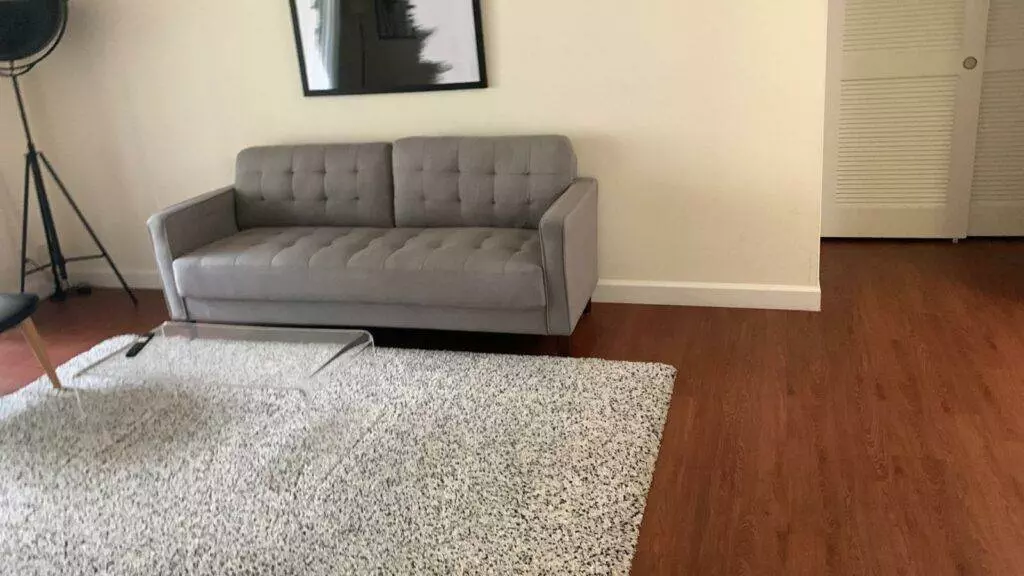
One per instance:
(28,329)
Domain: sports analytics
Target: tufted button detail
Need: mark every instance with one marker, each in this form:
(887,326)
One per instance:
(269,259)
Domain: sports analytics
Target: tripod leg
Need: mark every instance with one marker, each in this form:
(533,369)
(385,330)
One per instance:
(58,265)
(24,226)
(88,228)
(57,261)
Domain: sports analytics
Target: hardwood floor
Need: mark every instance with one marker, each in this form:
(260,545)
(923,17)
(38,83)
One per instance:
(72,327)
(884,435)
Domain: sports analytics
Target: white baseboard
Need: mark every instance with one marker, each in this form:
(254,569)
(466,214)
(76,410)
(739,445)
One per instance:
(105,278)
(713,294)
(40,284)
(719,295)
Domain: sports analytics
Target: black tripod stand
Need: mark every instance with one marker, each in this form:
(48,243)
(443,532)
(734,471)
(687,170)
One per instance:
(58,262)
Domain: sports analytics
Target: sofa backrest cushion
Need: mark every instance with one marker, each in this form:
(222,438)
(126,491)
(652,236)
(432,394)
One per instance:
(315,185)
(506,182)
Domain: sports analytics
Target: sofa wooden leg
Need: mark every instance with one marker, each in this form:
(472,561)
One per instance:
(564,346)
(587,308)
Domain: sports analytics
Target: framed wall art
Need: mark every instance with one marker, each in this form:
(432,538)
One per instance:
(380,46)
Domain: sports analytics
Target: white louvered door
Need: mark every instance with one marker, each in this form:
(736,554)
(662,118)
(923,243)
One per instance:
(902,117)
(997,191)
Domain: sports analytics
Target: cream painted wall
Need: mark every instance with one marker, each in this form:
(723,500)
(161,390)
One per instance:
(702,120)
(11,164)
(8,239)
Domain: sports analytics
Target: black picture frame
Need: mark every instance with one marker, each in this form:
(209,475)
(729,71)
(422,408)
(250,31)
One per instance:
(404,88)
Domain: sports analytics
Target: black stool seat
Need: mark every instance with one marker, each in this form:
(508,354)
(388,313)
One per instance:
(15,308)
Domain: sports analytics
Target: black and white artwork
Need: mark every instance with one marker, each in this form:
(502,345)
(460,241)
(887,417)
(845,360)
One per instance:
(375,46)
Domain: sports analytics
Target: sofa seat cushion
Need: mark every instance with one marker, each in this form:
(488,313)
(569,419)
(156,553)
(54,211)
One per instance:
(461,267)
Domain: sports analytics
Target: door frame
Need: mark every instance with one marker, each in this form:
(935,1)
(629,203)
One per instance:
(833,87)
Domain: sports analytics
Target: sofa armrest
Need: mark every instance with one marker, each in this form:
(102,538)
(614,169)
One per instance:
(185,227)
(568,237)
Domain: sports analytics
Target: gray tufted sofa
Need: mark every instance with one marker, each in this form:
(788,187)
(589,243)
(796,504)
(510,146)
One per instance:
(477,234)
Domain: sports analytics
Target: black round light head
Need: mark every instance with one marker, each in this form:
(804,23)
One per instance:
(28,27)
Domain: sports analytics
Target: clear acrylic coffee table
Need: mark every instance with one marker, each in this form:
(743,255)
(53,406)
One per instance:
(233,356)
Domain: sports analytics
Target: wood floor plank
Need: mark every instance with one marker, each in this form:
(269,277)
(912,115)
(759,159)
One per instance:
(884,435)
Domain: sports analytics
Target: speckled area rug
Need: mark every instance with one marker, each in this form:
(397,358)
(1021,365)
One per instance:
(400,462)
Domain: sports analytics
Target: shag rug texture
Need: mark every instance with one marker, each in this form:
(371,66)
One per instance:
(398,462)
